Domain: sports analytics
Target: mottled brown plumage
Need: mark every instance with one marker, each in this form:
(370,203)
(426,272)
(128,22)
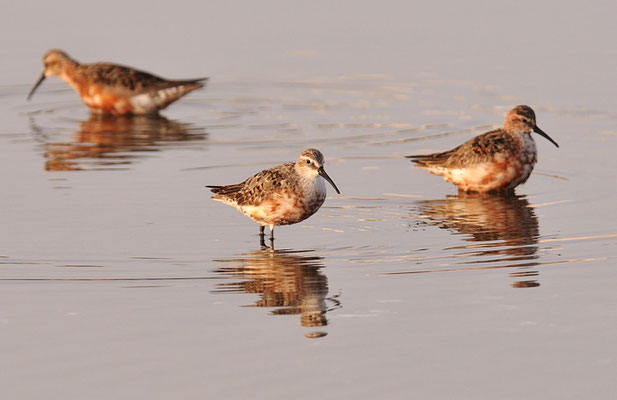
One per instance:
(496,161)
(283,195)
(474,151)
(256,189)
(115,89)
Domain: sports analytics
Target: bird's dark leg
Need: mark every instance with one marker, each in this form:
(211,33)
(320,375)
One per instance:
(272,237)
(262,235)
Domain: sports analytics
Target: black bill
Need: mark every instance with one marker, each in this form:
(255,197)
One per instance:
(323,173)
(544,135)
(36,85)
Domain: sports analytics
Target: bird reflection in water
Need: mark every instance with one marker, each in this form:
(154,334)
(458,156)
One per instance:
(289,281)
(505,228)
(111,142)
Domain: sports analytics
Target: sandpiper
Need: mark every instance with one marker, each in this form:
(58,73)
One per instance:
(115,89)
(496,161)
(282,195)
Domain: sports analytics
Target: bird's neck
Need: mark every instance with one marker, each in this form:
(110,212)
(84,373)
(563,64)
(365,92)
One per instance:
(72,75)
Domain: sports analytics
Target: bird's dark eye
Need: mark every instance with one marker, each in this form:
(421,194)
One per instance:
(308,162)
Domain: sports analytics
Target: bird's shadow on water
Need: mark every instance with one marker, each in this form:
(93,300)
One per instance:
(112,142)
(502,232)
(290,282)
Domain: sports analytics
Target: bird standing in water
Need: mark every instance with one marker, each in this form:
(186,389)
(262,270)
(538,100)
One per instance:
(282,195)
(115,89)
(496,161)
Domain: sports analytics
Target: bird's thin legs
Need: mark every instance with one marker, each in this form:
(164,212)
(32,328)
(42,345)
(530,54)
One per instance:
(262,235)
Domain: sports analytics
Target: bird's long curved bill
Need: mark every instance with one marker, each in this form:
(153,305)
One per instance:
(544,135)
(36,85)
(323,173)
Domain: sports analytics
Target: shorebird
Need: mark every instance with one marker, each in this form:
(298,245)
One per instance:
(282,195)
(115,89)
(496,161)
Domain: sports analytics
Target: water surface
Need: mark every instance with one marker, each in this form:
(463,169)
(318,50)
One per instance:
(120,278)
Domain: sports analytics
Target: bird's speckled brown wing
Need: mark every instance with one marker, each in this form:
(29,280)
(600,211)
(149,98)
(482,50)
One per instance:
(258,188)
(475,151)
(120,78)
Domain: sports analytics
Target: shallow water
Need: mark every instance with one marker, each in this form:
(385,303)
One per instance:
(119,278)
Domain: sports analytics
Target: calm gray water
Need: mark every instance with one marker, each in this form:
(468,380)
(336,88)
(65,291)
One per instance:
(120,278)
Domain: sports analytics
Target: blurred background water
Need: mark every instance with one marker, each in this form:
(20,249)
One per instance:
(120,278)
